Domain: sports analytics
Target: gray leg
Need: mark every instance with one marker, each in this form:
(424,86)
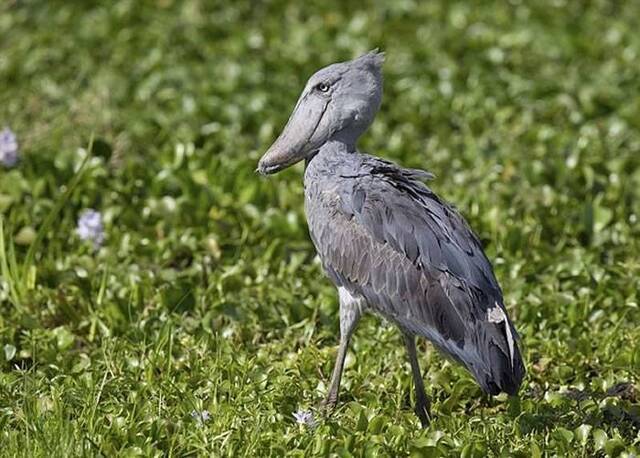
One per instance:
(350,312)
(423,405)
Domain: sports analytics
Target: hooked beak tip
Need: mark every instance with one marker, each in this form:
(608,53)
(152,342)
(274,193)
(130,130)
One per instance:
(264,169)
(269,169)
(270,163)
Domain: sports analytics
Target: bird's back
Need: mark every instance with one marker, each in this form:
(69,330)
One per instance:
(384,235)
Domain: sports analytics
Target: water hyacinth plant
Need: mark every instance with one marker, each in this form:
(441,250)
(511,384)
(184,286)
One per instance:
(9,153)
(200,417)
(306,418)
(90,227)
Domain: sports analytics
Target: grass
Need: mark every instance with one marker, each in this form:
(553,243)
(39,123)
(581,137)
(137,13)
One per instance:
(207,294)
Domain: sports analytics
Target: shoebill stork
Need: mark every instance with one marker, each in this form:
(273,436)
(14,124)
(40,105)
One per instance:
(387,241)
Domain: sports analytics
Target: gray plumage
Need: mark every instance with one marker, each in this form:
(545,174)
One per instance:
(387,241)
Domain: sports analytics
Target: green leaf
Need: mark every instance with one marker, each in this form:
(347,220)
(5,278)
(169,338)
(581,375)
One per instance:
(535,451)
(25,236)
(613,447)
(602,216)
(376,424)
(563,434)
(363,423)
(582,433)
(599,439)
(9,352)
(64,338)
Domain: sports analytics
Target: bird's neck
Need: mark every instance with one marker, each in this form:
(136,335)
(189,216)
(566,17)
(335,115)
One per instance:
(341,142)
(329,152)
(331,157)
(337,146)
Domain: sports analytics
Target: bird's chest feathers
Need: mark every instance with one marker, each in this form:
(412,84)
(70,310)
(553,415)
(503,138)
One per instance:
(322,204)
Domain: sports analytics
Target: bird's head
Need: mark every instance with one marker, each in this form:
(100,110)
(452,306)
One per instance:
(338,102)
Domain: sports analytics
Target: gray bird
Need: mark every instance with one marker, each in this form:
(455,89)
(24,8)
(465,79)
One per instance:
(388,243)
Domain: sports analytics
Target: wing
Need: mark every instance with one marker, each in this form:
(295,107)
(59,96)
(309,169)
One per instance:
(385,235)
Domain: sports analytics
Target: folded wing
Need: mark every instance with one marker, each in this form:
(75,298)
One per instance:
(385,235)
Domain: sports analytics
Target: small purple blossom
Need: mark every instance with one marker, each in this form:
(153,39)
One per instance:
(200,417)
(8,148)
(305,417)
(90,227)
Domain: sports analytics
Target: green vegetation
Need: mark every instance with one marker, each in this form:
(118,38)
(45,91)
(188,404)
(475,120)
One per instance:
(206,294)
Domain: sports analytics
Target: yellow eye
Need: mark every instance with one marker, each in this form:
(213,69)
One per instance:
(322,87)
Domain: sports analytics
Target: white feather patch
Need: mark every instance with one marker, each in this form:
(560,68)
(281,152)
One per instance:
(497,315)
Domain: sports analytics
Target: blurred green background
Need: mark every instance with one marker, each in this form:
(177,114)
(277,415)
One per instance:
(206,294)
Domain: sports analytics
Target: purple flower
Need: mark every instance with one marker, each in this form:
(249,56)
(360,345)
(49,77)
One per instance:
(200,417)
(90,227)
(305,417)
(8,148)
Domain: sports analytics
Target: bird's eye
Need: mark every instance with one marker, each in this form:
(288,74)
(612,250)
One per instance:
(322,87)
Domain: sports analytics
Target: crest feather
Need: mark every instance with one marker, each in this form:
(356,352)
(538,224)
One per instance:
(373,58)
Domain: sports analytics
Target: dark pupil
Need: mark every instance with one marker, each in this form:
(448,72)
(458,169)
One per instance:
(323,87)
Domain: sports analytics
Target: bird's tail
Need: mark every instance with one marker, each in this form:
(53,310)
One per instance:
(498,366)
(504,375)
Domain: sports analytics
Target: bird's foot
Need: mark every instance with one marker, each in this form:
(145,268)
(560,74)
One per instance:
(424,416)
(423,411)
(329,404)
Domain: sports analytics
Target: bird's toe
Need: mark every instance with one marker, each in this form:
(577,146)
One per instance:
(422,411)
(329,404)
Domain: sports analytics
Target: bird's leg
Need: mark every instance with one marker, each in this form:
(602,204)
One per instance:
(423,405)
(350,312)
(334,388)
